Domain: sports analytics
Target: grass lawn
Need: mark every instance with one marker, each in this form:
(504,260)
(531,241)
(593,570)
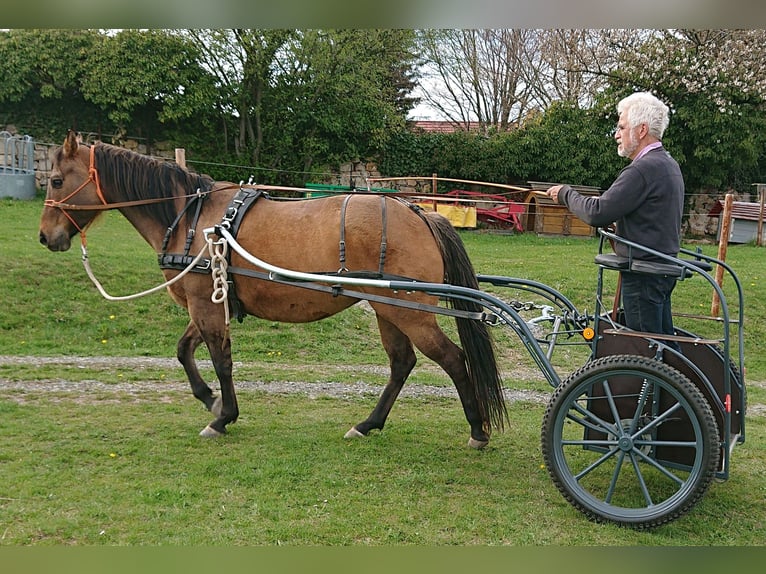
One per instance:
(127,468)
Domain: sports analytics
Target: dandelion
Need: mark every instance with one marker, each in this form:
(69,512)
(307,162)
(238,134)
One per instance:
(104,341)
(111,317)
(112,455)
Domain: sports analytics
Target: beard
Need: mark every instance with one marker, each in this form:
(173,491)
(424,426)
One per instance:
(627,146)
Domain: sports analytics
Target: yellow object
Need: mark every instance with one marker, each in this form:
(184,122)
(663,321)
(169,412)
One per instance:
(458,215)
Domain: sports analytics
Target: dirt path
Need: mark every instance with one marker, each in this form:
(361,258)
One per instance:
(139,388)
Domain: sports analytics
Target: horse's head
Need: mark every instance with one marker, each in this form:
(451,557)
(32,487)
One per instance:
(71,183)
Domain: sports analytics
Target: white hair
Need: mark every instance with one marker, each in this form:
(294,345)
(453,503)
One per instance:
(645,108)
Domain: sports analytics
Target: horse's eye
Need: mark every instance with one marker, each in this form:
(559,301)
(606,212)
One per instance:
(57,182)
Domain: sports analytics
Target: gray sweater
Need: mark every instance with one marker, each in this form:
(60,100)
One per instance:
(645,202)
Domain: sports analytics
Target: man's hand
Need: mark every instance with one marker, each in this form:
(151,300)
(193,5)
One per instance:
(553,192)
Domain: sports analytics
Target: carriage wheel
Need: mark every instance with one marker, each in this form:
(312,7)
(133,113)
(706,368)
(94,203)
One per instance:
(630,440)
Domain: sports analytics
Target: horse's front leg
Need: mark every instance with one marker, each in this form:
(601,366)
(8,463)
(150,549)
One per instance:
(218,343)
(216,338)
(187,345)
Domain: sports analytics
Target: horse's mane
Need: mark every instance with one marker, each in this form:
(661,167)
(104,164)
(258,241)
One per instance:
(139,177)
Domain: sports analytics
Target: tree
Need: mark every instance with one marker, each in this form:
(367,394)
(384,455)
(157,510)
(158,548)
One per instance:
(338,95)
(41,72)
(145,78)
(573,66)
(242,62)
(476,75)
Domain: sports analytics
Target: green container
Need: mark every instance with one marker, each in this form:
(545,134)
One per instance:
(325,189)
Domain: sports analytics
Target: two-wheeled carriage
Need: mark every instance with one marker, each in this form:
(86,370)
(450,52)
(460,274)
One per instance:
(636,435)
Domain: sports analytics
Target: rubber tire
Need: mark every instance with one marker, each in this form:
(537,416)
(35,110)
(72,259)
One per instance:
(591,493)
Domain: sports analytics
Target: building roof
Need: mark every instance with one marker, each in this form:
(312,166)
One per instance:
(445,127)
(739,210)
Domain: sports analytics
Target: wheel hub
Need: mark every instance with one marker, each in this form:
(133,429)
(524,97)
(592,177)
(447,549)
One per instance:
(625,443)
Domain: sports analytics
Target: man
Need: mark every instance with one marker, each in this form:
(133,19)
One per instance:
(646,204)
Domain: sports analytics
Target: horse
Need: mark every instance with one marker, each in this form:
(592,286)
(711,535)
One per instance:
(373,234)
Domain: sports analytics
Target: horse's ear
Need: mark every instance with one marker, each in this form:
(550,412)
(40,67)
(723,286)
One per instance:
(70,143)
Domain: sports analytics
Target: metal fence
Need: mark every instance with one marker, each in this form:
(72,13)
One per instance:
(17,172)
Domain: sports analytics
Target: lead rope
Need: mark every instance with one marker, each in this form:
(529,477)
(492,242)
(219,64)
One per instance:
(219,265)
(109,297)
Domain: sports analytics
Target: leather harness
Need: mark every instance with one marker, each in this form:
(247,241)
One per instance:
(232,219)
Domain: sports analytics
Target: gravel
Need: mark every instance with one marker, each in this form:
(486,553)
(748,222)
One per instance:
(147,390)
(138,389)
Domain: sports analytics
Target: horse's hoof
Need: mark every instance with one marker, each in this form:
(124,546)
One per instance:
(477,444)
(210,432)
(217,407)
(353,433)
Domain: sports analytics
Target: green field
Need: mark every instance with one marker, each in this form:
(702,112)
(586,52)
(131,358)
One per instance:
(124,466)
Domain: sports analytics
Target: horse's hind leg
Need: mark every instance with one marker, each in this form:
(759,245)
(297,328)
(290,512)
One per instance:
(424,332)
(187,345)
(402,360)
(440,349)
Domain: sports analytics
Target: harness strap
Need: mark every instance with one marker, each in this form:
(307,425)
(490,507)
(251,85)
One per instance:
(342,246)
(338,290)
(383,229)
(197,200)
(383,244)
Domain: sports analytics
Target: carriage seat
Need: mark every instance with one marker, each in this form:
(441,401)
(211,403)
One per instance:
(620,263)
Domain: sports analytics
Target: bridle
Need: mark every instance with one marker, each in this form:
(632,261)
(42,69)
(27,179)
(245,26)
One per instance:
(93,177)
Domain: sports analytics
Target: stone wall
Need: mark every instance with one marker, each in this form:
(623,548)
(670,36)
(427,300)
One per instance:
(699,224)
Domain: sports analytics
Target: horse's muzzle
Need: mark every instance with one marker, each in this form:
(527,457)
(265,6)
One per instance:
(58,242)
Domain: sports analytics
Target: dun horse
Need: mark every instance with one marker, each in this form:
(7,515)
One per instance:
(169,207)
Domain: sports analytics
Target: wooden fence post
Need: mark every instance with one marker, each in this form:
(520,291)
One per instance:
(723,243)
(181,157)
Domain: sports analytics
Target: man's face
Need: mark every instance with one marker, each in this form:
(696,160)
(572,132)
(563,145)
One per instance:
(627,138)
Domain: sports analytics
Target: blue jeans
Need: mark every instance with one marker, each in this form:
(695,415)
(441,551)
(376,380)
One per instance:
(646,303)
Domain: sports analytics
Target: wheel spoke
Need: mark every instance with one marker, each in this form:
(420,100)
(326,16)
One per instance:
(603,426)
(615,476)
(659,467)
(612,406)
(595,465)
(641,481)
(658,420)
(642,397)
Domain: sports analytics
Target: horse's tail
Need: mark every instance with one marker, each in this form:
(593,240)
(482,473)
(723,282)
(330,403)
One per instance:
(475,337)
